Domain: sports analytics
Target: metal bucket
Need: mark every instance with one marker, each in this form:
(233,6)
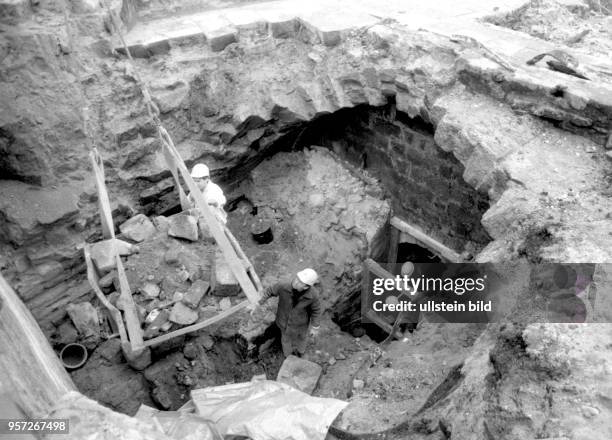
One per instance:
(73,356)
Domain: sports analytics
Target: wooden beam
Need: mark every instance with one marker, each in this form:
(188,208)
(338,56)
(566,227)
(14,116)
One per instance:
(248,266)
(93,279)
(132,321)
(216,229)
(427,241)
(29,368)
(108,228)
(393,247)
(200,325)
(377,269)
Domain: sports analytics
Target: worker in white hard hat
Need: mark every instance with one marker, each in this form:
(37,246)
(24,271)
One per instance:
(212,193)
(298,310)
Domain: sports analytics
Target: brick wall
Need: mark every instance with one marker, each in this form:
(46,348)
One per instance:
(424,182)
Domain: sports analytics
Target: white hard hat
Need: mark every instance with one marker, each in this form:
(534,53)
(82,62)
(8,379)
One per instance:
(200,170)
(308,276)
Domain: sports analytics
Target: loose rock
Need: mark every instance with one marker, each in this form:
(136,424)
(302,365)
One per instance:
(85,318)
(300,373)
(138,228)
(183,226)
(150,290)
(195,293)
(183,315)
(225,304)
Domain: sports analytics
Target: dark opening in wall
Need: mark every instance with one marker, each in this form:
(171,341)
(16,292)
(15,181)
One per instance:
(424,183)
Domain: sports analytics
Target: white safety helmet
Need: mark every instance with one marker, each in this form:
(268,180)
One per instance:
(308,276)
(200,170)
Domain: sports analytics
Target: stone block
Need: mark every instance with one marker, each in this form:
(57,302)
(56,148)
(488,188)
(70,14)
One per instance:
(161,223)
(84,316)
(138,228)
(300,374)
(150,290)
(195,293)
(220,39)
(103,256)
(66,333)
(285,29)
(183,315)
(183,226)
(225,304)
(222,279)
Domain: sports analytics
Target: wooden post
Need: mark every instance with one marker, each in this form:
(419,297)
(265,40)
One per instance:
(29,368)
(129,308)
(427,241)
(393,247)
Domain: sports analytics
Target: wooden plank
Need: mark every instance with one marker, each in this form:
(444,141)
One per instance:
(200,325)
(171,163)
(427,241)
(129,308)
(366,284)
(377,269)
(106,219)
(215,228)
(93,279)
(30,371)
(248,266)
(393,247)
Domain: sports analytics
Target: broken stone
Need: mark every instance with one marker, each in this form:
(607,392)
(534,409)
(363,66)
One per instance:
(139,359)
(206,341)
(150,290)
(108,279)
(190,351)
(183,226)
(183,315)
(156,324)
(84,316)
(222,279)
(66,333)
(225,304)
(331,361)
(178,296)
(103,256)
(195,293)
(161,223)
(300,374)
(138,228)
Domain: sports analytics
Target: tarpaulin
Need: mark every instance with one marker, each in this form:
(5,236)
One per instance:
(266,410)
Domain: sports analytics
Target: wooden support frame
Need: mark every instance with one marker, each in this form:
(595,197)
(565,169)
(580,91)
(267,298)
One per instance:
(93,279)
(217,231)
(132,322)
(426,241)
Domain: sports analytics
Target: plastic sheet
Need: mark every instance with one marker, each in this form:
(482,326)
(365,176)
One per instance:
(179,425)
(267,410)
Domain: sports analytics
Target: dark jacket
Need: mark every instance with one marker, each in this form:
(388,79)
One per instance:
(295,309)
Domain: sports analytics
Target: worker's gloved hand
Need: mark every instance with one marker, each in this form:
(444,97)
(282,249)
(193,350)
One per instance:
(314,331)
